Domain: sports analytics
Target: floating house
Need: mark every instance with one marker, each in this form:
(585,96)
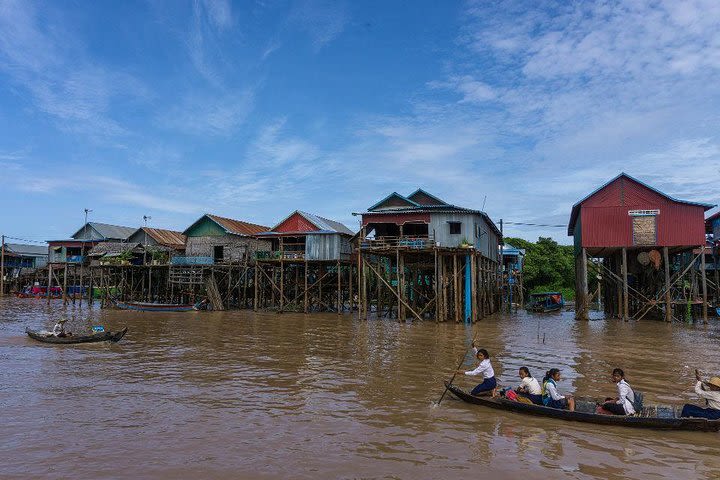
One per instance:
(430,253)
(214,239)
(627,231)
(75,249)
(304,236)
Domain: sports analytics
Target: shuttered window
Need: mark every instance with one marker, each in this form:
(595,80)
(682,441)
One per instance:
(644,230)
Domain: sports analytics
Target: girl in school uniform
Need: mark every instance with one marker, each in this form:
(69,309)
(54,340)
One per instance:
(550,396)
(486,370)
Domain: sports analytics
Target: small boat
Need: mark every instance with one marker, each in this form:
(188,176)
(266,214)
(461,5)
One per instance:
(155,307)
(545,302)
(48,337)
(664,417)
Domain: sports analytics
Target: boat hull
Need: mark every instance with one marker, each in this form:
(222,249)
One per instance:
(154,307)
(96,337)
(689,424)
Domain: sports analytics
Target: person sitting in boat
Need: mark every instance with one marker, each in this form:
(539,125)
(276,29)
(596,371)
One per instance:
(623,403)
(710,391)
(550,396)
(529,387)
(485,369)
(59,328)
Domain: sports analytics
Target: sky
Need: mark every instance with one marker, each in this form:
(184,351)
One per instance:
(254,109)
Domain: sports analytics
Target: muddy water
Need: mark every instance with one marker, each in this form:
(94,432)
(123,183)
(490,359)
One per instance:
(243,395)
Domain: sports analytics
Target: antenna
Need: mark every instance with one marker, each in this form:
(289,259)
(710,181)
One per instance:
(146,218)
(483,207)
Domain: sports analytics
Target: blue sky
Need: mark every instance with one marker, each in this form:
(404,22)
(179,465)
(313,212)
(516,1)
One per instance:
(253,109)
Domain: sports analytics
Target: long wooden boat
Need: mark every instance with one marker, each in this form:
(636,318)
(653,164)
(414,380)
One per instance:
(656,417)
(546,302)
(95,337)
(155,307)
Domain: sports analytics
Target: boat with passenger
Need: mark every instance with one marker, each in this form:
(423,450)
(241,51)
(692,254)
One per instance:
(544,302)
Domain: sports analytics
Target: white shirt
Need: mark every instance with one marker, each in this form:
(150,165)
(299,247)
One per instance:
(626,396)
(532,385)
(552,391)
(485,369)
(712,396)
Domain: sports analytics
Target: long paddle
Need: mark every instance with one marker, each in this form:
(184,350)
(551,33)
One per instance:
(462,360)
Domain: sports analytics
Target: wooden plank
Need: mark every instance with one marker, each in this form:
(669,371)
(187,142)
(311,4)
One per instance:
(668,301)
(626,313)
(704,285)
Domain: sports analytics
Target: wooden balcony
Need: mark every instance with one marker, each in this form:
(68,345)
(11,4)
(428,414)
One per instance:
(406,242)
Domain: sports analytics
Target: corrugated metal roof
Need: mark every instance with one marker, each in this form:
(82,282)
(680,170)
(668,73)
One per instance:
(168,238)
(238,227)
(106,231)
(326,224)
(113,247)
(29,250)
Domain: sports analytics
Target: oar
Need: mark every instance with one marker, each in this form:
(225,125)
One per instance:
(462,360)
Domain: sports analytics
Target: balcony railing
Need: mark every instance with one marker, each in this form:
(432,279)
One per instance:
(277,255)
(411,242)
(183,260)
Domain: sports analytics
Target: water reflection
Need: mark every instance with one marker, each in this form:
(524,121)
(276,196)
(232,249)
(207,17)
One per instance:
(237,394)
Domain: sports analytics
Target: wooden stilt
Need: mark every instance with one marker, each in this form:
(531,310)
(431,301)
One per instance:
(668,299)
(704,285)
(626,312)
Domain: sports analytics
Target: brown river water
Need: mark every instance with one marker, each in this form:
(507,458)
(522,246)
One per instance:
(244,395)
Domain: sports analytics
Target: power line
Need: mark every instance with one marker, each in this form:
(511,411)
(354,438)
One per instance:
(535,224)
(24,239)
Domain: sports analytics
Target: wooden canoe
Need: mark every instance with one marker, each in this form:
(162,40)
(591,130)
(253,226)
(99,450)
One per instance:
(95,337)
(155,307)
(655,417)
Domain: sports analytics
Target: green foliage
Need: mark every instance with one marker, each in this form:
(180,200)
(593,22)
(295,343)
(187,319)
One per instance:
(548,266)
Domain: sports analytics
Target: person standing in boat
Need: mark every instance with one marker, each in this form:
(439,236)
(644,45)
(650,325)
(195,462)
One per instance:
(529,387)
(710,391)
(623,404)
(550,396)
(485,369)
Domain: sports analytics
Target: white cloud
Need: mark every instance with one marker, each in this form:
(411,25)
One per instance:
(218,114)
(322,20)
(53,66)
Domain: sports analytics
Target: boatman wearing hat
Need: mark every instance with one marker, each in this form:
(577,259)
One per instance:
(710,391)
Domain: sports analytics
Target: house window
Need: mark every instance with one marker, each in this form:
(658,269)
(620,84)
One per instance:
(218,252)
(455,228)
(644,230)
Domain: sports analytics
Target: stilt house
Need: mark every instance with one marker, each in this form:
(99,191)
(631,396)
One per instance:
(423,256)
(628,233)
(75,249)
(214,239)
(304,236)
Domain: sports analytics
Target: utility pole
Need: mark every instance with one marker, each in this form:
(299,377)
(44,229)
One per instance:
(2,268)
(145,219)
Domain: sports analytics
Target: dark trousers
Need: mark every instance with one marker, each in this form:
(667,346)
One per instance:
(690,410)
(487,385)
(614,408)
(536,399)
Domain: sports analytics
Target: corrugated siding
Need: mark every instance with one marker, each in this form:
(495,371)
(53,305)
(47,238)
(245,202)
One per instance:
(487,244)
(327,247)
(677,225)
(605,221)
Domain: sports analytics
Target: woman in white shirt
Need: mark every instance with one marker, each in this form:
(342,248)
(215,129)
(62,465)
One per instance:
(529,387)
(623,404)
(485,369)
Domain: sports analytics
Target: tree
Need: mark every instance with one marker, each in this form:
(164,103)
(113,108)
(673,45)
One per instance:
(548,266)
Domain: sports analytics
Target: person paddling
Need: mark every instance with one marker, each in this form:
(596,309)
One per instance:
(710,391)
(550,396)
(485,369)
(623,404)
